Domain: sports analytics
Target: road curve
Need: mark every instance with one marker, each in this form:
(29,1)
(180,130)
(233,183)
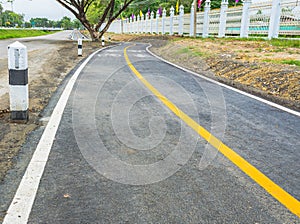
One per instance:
(122,152)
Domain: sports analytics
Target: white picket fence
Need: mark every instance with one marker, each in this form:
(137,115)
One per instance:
(272,18)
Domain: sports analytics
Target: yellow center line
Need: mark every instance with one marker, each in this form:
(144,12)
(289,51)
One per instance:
(272,188)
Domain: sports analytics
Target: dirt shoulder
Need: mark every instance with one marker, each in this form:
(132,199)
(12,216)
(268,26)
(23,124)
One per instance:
(47,68)
(255,66)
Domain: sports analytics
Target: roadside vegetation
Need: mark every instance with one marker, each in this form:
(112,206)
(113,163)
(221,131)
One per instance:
(18,33)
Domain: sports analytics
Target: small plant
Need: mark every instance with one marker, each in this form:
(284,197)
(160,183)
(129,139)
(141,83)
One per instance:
(285,43)
(287,62)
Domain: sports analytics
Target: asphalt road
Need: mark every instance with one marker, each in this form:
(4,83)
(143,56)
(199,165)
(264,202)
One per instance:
(120,155)
(34,43)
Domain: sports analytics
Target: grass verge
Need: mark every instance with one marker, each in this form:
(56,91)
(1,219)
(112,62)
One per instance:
(18,33)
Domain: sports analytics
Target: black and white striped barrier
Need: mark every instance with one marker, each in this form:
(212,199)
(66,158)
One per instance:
(18,81)
(103,41)
(79,47)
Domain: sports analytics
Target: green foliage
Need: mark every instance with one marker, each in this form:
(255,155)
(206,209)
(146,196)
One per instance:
(287,62)
(11,19)
(154,5)
(291,62)
(17,33)
(64,23)
(285,43)
(191,51)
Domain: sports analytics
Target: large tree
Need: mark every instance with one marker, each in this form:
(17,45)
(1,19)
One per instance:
(94,13)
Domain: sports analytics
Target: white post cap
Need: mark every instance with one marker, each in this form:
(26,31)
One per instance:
(17,56)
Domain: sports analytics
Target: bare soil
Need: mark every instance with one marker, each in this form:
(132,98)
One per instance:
(238,63)
(47,69)
(253,66)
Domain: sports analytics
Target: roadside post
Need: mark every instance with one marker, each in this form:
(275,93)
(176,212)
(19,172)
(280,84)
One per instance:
(18,81)
(103,41)
(79,47)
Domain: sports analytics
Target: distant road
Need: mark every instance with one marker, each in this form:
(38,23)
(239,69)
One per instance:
(34,43)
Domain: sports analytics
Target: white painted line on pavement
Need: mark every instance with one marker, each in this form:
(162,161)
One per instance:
(226,86)
(20,207)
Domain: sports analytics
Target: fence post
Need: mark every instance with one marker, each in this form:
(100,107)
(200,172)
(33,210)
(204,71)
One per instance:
(138,21)
(274,24)
(171,20)
(142,23)
(122,25)
(192,20)
(223,17)
(181,15)
(206,19)
(136,24)
(163,21)
(130,25)
(151,22)
(157,20)
(245,19)
(147,23)
(18,81)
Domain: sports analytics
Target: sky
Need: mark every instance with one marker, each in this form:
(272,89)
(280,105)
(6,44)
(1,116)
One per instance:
(50,9)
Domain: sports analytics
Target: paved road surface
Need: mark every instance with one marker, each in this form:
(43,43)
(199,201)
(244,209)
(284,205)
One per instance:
(34,43)
(121,156)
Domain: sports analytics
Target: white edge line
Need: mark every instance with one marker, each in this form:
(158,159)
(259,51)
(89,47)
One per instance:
(20,207)
(227,86)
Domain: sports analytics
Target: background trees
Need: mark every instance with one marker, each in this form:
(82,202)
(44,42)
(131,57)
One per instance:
(96,13)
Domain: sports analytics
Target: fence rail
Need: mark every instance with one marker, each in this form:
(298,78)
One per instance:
(272,18)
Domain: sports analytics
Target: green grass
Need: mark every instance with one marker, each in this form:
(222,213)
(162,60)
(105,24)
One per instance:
(287,62)
(285,43)
(17,33)
(191,51)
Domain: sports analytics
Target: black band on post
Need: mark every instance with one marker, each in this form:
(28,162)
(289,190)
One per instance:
(18,77)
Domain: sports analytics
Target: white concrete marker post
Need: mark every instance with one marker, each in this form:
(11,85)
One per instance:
(103,41)
(18,81)
(79,47)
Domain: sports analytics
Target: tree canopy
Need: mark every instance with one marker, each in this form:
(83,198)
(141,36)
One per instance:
(95,13)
